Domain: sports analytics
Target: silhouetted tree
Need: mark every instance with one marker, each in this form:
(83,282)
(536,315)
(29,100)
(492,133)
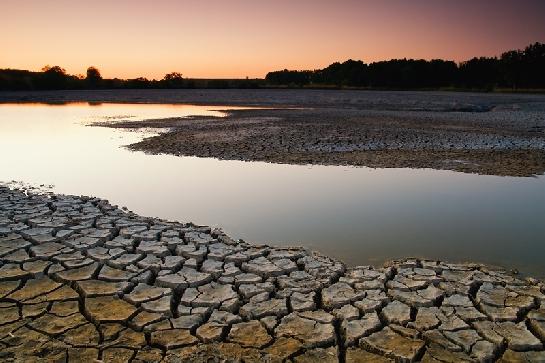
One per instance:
(53,77)
(94,77)
(482,73)
(286,77)
(15,79)
(173,80)
(140,82)
(535,61)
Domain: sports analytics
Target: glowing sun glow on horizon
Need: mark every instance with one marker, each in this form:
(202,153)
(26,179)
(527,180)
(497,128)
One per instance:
(239,38)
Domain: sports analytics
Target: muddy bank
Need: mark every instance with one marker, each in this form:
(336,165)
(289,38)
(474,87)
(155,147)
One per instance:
(494,142)
(498,134)
(82,280)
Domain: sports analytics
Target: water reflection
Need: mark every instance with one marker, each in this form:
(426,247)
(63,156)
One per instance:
(360,215)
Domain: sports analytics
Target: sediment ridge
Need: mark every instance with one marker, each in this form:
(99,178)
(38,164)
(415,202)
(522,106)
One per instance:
(474,133)
(83,280)
(483,133)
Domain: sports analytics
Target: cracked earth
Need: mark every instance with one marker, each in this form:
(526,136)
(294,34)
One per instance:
(82,280)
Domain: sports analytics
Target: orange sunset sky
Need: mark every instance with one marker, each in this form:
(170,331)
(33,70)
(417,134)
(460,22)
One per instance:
(239,38)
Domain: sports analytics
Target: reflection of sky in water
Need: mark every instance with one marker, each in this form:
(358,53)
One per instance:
(360,215)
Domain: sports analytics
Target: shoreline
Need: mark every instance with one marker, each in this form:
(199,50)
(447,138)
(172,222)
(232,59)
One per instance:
(81,279)
(490,134)
(376,139)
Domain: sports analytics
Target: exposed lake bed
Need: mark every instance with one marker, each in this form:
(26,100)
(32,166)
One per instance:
(496,134)
(84,278)
(357,214)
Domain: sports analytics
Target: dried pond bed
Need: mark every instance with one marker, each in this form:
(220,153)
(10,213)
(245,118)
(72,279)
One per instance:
(82,280)
(485,133)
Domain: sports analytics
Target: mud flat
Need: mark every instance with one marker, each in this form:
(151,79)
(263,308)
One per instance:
(497,134)
(82,280)
(378,139)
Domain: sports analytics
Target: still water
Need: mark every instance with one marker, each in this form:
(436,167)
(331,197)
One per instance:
(359,215)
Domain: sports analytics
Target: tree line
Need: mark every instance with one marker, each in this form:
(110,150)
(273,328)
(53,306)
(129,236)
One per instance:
(515,69)
(56,78)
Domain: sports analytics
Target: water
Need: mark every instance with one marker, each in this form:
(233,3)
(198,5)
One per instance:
(359,215)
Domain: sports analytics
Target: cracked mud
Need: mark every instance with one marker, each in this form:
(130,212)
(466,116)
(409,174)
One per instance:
(82,280)
(474,133)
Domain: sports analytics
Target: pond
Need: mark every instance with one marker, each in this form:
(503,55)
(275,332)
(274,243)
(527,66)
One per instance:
(359,215)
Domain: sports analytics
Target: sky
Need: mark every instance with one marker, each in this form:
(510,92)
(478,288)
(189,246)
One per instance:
(248,38)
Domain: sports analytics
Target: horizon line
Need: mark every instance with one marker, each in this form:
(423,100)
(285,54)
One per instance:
(315,68)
